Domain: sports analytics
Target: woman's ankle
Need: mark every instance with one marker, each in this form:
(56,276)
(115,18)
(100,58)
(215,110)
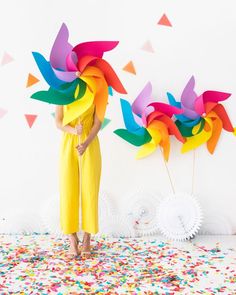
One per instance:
(86,237)
(73,237)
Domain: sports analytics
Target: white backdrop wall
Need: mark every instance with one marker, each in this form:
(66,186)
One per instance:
(201,41)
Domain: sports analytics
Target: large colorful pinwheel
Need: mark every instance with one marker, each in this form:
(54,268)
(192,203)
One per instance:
(203,117)
(66,88)
(149,124)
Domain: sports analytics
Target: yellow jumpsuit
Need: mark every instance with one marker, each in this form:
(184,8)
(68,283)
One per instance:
(70,178)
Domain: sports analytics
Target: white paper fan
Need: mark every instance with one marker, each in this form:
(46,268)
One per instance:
(50,216)
(141,208)
(216,224)
(179,216)
(105,205)
(16,221)
(117,226)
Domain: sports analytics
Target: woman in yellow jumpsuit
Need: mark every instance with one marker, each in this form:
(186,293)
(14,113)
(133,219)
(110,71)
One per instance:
(86,126)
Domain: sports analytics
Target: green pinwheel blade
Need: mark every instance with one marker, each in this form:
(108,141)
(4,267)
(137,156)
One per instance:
(52,96)
(183,129)
(82,89)
(202,125)
(187,131)
(132,138)
(63,96)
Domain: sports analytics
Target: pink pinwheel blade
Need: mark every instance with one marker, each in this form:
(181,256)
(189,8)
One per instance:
(71,61)
(166,109)
(94,48)
(215,96)
(199,105)
(145,113)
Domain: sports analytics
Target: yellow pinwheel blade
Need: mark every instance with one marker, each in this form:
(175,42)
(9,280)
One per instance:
(146,149)
(198,139)
(79,106)
(155,134)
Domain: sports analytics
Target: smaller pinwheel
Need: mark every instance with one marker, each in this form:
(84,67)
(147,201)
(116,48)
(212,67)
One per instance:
(203,117)
(77,75)
(149,124)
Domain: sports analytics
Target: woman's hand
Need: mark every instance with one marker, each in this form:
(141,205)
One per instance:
(79,129)
(81,148)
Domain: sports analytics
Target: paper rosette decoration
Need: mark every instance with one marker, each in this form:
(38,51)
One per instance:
(149,124)
(141,208)
(179,216)
(65,87)
(203,117)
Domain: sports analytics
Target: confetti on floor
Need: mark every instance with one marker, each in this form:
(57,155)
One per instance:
(37,264)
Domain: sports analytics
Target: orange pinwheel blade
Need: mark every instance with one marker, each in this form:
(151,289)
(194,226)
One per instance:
(173,130)
(216,131)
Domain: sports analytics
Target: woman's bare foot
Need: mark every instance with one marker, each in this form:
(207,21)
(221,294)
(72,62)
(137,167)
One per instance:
(73,250)
(86,250)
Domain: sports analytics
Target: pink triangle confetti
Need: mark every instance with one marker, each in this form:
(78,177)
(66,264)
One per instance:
(2,112)
(147,46)
(30,119)
(7,58)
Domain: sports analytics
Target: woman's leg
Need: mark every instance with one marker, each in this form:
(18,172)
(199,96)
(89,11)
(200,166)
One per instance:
(73,238)
(86,244)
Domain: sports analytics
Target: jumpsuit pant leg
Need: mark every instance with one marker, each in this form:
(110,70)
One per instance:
(69,184)
(91,173)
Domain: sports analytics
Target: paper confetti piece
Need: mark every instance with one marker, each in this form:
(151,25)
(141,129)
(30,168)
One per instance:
(130,68)
(30,119)
(164,21)
(105,122)
(2,112)
(7,58)
(31,80)
(147,46)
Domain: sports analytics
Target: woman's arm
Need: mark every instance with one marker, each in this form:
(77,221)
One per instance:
(59,118)
(93,132)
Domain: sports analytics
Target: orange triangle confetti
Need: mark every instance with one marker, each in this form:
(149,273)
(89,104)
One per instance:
(130,68)
(164,21)
(31,80)
(30,119)
(147,46)
(7,58)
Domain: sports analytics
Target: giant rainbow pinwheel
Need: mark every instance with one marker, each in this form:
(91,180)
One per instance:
(203,117)
(66,88)
(149,124)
